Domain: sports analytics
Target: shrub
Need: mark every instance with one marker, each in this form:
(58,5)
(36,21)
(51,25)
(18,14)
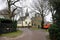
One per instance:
(54,32)
(7,25)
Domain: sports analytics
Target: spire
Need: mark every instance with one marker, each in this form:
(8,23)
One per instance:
(27,14)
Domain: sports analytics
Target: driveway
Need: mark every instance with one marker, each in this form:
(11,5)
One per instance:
(29,34)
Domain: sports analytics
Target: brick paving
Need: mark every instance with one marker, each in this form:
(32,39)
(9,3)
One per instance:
(30,35)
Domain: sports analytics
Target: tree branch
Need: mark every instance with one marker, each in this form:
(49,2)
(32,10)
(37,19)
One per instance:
(12,3)
(46,13)
(14,10)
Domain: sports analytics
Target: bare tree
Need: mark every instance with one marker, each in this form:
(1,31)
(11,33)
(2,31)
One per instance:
(10,3)
(52,12)
(42,7)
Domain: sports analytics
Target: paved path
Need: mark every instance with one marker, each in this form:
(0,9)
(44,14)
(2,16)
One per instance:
(30,35)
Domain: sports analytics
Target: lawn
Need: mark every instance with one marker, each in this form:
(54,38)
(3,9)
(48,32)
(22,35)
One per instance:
(34,28)
(12,34)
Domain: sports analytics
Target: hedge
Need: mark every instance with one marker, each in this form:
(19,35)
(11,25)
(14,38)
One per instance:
(7,25)
(54,32)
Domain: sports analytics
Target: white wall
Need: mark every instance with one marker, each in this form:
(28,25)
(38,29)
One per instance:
(28,20)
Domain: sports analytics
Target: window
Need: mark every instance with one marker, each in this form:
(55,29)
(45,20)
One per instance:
(32,24)
(26,22)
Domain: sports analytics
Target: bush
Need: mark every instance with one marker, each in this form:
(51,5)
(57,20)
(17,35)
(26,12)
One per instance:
(7,25)
(54,32)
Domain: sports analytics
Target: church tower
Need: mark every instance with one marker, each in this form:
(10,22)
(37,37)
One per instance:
(26,14)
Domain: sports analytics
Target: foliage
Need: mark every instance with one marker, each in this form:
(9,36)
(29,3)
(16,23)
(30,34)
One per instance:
(54,3)
(7,25)
(56,6)
(54,32)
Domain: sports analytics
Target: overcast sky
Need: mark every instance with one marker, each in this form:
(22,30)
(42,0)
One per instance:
(2,4)
(25,3)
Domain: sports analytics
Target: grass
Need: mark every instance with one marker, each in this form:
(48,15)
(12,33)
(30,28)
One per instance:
(12,34)
(19,27)
(46,30)
(35,28)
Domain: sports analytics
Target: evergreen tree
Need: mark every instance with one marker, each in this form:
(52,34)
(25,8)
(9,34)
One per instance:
(56,6)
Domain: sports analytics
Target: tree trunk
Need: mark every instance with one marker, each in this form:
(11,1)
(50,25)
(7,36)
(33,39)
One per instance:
(9,9)
(52,12)
(42,23)
(53,17)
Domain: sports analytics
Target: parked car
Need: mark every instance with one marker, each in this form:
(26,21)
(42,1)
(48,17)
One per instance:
(46,26)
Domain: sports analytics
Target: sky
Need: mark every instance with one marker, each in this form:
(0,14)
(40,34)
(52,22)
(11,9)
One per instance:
(2,4)
(25,4)
(49,17)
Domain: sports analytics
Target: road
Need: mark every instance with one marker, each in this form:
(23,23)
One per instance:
(29,34)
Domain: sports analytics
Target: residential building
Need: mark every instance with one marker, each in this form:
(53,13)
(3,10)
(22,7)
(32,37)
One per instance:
(36,21)
(24,21)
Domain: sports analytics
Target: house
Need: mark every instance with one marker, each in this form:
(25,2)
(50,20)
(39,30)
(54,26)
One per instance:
(36,21)
(24,21)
